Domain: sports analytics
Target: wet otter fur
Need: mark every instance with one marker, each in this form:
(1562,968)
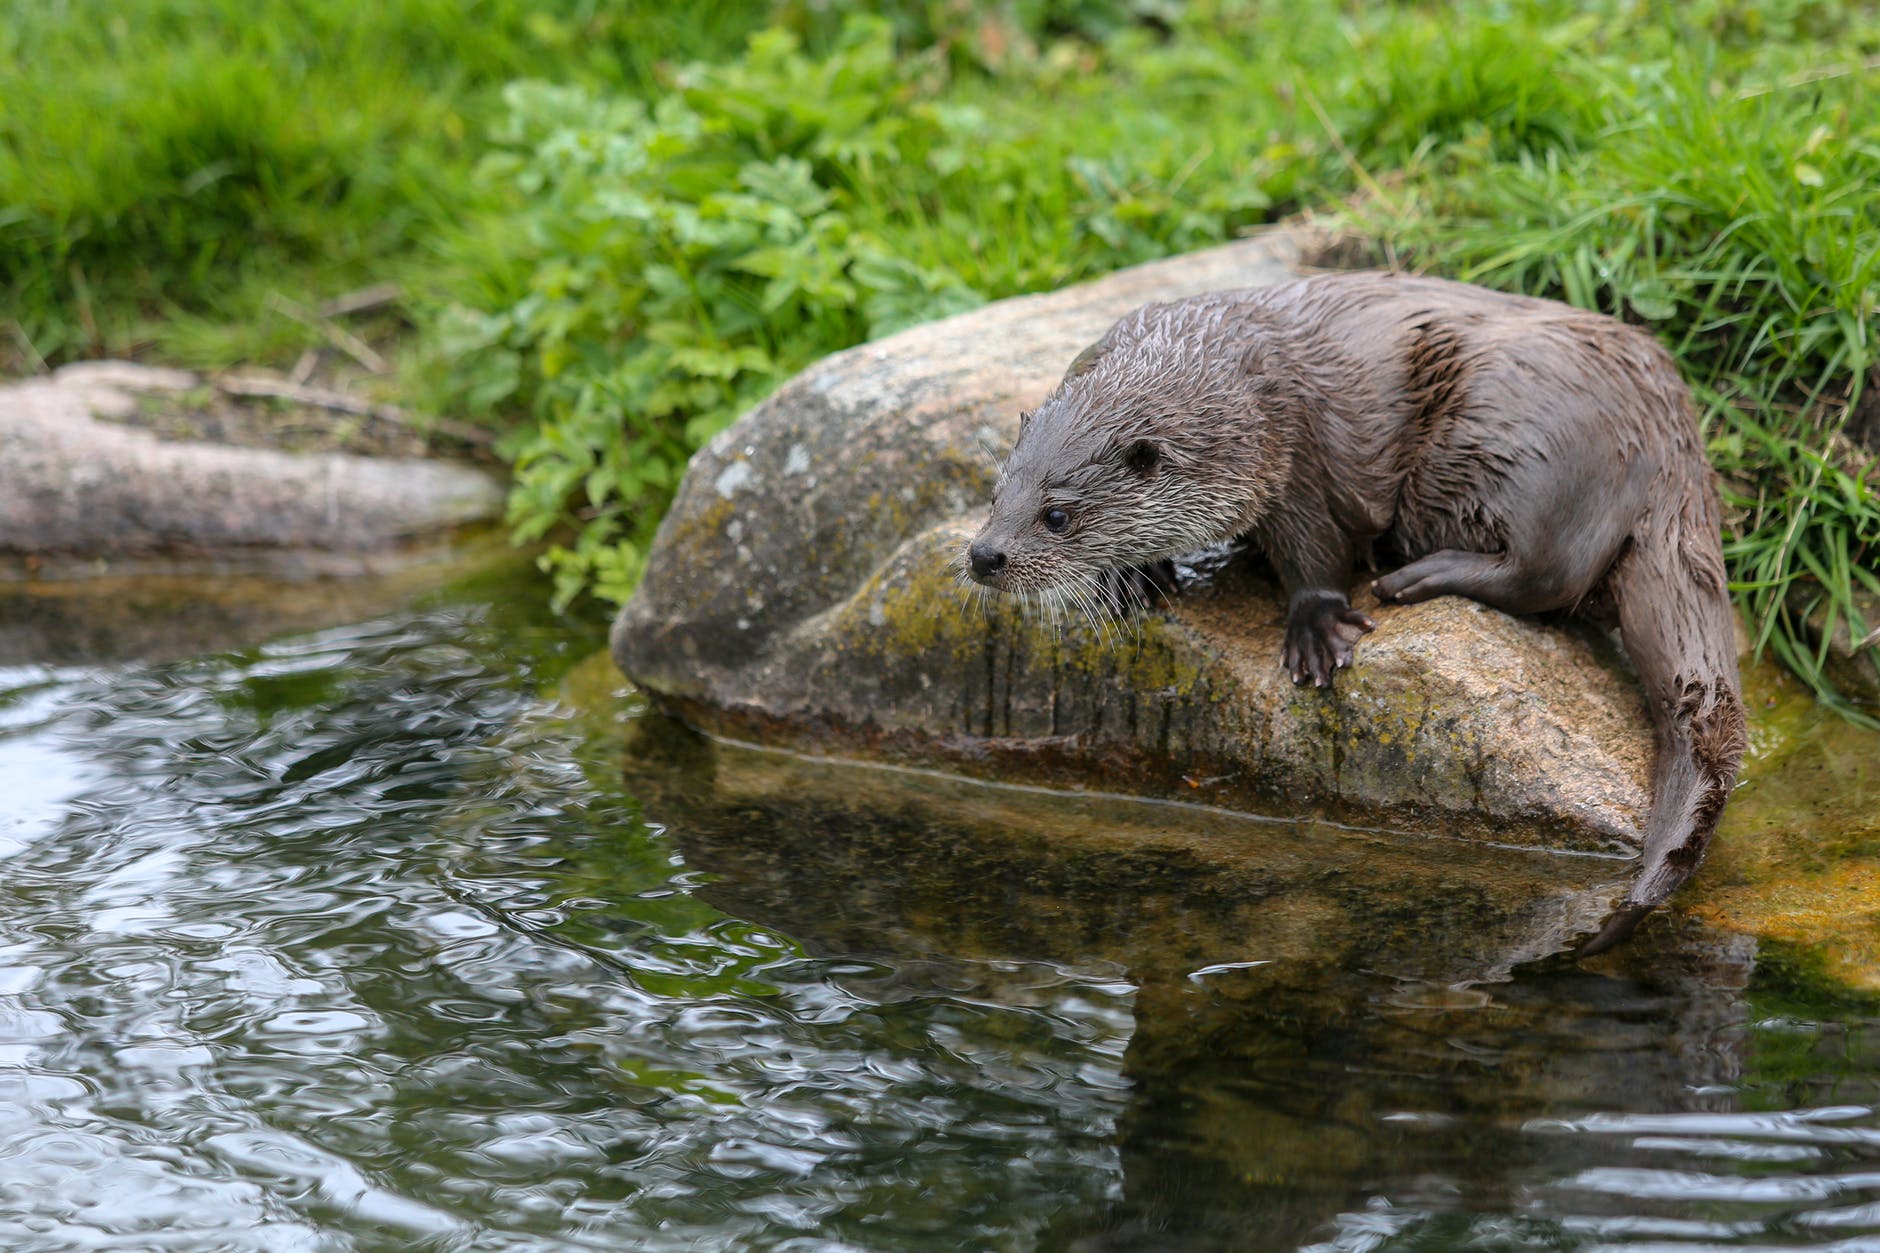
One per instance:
(1521,452)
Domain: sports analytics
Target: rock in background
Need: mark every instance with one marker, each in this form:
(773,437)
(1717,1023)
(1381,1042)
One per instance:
(81,489)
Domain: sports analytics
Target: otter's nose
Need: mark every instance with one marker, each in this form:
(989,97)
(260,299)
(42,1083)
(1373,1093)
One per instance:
(987,560)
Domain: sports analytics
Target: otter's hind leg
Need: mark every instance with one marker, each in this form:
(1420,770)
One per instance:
(1537,585)
(1558,547)
(1561,522)
(1492,578)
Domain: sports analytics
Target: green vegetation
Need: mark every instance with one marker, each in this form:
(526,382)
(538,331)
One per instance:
(664,266)
(1727,194)
(614,259)
(167,166)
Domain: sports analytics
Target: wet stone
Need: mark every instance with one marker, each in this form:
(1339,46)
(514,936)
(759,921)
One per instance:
(83,490)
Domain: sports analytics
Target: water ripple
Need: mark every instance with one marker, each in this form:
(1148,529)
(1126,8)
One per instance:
(356,941)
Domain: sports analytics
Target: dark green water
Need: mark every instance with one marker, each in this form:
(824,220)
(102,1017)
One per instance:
(360,939)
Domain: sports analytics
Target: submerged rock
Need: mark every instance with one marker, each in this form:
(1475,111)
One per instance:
(802,592)
(75,487)
(850,858)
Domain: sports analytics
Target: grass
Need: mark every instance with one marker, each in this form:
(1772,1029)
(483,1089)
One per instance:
(1731,201)
(620,225)
(167,167)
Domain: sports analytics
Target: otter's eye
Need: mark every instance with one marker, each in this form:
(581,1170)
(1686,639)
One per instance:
(1055,520)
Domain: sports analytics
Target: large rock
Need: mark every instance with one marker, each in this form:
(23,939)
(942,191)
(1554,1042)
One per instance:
(72,486)
(802,591)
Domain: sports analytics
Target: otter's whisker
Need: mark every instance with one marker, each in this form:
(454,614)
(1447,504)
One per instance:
(1101,617)
(1096,608)
(1056,615)
(1071,596)
(1089,594)
(987,445)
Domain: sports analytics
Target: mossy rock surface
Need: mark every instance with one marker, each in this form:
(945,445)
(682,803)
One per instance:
(801,593)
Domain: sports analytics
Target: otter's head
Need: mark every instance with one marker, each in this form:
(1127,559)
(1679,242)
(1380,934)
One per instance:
(1152,446)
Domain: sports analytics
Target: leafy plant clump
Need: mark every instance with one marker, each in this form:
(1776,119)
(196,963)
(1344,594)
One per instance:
(684,258)
(667,264)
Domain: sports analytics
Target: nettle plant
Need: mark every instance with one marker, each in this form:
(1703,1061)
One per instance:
(674,263)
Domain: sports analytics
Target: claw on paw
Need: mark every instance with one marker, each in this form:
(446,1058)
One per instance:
(1322,631)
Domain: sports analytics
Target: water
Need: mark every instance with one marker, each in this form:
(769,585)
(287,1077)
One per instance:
(362,939)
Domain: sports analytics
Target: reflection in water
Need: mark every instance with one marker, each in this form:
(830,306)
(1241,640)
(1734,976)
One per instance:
(357,940)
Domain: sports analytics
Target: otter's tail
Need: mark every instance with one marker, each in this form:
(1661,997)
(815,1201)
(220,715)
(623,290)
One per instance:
(1679,629)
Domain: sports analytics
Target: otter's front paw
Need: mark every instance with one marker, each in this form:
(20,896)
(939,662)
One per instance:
(1321,630)
(1135,588)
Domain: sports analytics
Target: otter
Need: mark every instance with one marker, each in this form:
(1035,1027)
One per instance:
(1527,454)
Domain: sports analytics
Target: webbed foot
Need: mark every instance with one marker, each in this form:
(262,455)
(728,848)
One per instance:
(1322,629)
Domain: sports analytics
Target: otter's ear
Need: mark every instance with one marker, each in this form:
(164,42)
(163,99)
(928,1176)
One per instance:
(1087,359)
(1144,457)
